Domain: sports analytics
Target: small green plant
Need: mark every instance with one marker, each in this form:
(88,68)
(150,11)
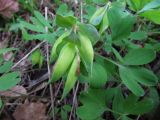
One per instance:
(8,79)
(127,47)
(37,58)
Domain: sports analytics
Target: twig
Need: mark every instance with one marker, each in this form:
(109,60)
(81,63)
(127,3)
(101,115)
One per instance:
(74,100)
(48,66)
(138,117)
(38,81)
(56,93)
(76,2)
(25,57)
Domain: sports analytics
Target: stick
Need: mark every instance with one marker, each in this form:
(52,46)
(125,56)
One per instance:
(25,57)
(48,66)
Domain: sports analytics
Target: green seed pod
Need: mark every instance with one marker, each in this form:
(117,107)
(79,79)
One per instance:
(72,76)
(64,61)
(86,51)
(54,48)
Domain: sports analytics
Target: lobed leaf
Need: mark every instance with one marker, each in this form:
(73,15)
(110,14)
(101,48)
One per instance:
(65,21)
(129,80)
(139,56)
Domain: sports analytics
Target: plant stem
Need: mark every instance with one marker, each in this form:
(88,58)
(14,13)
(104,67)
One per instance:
(97,54)
(48,65)
(74,100)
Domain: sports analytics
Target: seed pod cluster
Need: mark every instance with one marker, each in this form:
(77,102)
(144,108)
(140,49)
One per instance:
(68,61)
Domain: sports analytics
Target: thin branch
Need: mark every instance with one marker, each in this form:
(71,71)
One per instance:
(26,56)
(48,65)
(74,100)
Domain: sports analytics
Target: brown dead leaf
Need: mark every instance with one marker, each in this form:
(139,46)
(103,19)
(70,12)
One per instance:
(31,111)
(14,92)
(8,8)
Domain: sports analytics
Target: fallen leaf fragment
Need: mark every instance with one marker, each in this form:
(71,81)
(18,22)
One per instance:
(31,111)
(14,92)
(8,8)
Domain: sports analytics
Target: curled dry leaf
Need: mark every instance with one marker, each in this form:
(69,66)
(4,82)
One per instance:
(31,111)
(14,92)
(8,8)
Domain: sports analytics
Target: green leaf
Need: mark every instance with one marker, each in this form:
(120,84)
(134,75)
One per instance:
(135,76)
(5,50)
(118,101)
(35,21)
(138,35)
(130,44)
(152,15)
(136,5)
(139,56)
(99,76)
(144,76)
(6,67)
(104,24)
(154,95)
(41,18)
(65,21)
(128,78)
(90,10)
(63,10)
(9,80)
(72,76)
(129,103)
(90,31)
(50,37)
(142,107)
(1,60)
(110,93)
(32,27)
(138,107)
(98,16)
(14,27)
(37,58)
(64,112)
(151,5)
(72,37)
(93,104)
(121,22)
(100,2)
(117,54)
